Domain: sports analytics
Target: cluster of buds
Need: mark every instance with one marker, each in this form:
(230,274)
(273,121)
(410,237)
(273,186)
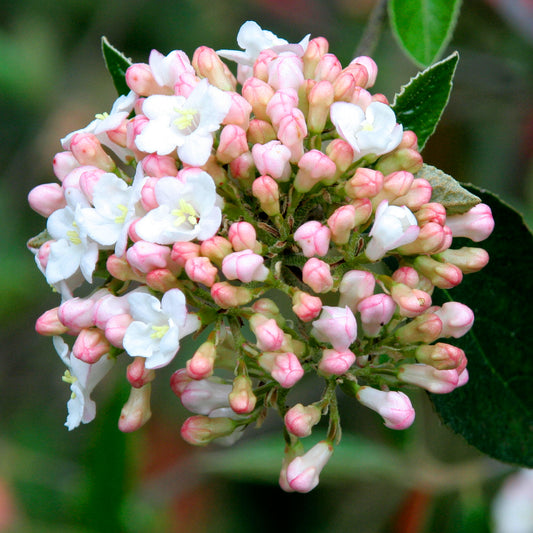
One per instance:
(239,207)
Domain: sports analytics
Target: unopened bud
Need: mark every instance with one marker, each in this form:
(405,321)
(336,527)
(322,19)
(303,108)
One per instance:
(299,419)
(241,398)
(201,364)
(136,411)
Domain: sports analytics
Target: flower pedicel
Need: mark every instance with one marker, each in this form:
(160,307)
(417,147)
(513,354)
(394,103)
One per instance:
(200,192)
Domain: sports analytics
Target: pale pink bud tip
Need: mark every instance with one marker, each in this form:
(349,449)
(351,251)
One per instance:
(136,412)
(336,363)
(299,420)
(303,471)
(476,224)
(394,407)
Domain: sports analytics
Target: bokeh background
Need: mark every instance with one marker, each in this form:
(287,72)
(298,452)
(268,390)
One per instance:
(95,479)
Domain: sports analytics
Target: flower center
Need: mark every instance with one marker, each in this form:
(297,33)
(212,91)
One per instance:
(73,235)
(367,125)
(185,213)
(123,212)
(159,332)
(187,120)
(101,116)
(69,378)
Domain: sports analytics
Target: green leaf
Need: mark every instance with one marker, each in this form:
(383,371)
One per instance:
(423,28)
(420,103)
(494,411)
(447,191)
(117,64)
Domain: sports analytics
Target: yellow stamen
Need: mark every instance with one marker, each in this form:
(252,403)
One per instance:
(186,119)
(73,235)
(159,332)
(101,116)
(185,212)
(124,211)
(69,378)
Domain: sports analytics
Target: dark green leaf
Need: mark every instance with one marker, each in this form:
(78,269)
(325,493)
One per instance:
(423,27)
(420,103)
(117,64)
(494,411)
(447,191)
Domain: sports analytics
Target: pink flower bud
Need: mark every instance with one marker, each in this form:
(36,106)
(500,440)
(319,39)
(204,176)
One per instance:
(258,94)
(242,167)
(411,302)
(162,280)
(159,166)
(115,329)
(316,48)
(286,71)
(243,237)
(201,270)
(317,275)
(344,86)
(201,364)
(336,326)
(260,68)
(299,419)
(418,195)
(202,396)
(246,266)
(136,411)
(78,313)
(87,149)
(47,198)
(335,363)
(216,248)
(313,166)
(147,256)
(442,275)
(63,164)
(227,296)
(232,144)
(87,181)
(107,307)
(432,238)
(395,184)
(467,259)
(90,345)
(401,158)
(361,97)
(140,79)
(406,275)
(292,130)
(476,224)
(137,374)
(305,306)
(457,319)
(183,251)
(341,153)
(365,183)
(208,65)
(342,222)
(269,336)
(425,328)
(313,238)
(355,285)
(431,212)
(284,367)
(376,311)
(48,324)
(328,68)
(241,398)
(179,380)
(239,111)
(371,68)
(266,190)
(394,407)
(201,430)
(260,132)
(320,99)
(303,471)
(442,356)
(272,159)
(429,378)
(148,199)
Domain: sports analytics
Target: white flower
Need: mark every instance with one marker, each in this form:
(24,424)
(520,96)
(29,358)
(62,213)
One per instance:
(184,123)
(83,378)
(72,249)
(373,131)
(158,326)
(105,122)
(187,210)
(116,205)
(253,40)
(393,226)
(168,69)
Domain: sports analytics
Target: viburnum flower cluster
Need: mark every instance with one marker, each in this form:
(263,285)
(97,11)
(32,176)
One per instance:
(277,212)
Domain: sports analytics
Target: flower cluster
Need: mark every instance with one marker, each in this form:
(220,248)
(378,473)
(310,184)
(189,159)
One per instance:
(278,213)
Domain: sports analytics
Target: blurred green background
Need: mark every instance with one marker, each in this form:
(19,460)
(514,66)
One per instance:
(95,479)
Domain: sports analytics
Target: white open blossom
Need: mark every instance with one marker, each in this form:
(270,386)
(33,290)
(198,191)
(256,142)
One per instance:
(104,122)
(393,226)
(116,205)
(184,123)
(72,250)
(83,378)
(373,131)
(253,40)
(158,326)
(168,69)
(187,210)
